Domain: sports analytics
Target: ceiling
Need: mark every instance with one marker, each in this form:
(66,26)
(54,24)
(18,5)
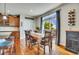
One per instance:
(28,9)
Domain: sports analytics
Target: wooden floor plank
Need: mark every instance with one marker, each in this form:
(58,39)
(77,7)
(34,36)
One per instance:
(60,51)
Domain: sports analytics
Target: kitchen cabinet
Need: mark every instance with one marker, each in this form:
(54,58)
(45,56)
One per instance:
(13,21)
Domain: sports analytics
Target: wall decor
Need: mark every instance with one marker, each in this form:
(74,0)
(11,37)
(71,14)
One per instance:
(71,17)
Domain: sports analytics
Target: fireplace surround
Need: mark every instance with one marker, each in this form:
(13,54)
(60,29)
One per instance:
(72,41)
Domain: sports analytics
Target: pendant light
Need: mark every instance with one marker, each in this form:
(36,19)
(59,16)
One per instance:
(4,15)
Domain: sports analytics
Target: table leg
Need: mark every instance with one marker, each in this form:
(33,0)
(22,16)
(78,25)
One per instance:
(38,48)
(44,47)
(2,51)
(50,47)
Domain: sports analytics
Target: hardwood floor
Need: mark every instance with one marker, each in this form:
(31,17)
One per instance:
(63,51)
(57,50)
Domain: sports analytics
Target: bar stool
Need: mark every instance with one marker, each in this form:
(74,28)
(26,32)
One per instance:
(11,47)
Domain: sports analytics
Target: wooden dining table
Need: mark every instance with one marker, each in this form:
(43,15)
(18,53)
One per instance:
(4,44)
(37,36)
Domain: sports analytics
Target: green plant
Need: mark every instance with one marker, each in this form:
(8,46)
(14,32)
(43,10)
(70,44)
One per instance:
(48,25)
(37,28)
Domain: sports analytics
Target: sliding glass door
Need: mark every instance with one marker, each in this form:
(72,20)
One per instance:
(52,22)
(49,22)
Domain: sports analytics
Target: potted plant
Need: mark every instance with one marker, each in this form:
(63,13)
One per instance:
(37,29)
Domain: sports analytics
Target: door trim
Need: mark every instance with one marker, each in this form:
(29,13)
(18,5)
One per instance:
(58,28)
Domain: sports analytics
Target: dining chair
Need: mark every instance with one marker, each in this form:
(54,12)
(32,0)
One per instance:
(27,33)
(11,49)
(47,41)
(29,38)
(13,45)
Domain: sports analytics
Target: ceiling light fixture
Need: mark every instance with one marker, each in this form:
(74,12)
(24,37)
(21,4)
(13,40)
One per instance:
(4,15)
(31,10)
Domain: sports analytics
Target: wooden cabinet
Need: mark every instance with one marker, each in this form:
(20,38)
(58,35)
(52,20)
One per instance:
(1,21)
(13,21)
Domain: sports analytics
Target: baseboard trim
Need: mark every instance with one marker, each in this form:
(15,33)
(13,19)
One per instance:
(62,46)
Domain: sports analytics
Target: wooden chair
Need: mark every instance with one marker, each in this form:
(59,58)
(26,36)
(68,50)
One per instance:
(29,38)
(47,41)
(32,42)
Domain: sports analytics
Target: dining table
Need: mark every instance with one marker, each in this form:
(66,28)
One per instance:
(37,36)
(4,44)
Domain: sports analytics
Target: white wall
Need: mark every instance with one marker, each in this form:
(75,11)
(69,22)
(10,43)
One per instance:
(27,24)
(64,21)
(1,7)
(37,21)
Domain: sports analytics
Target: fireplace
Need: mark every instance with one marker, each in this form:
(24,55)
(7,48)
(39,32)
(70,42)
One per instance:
(72,41)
